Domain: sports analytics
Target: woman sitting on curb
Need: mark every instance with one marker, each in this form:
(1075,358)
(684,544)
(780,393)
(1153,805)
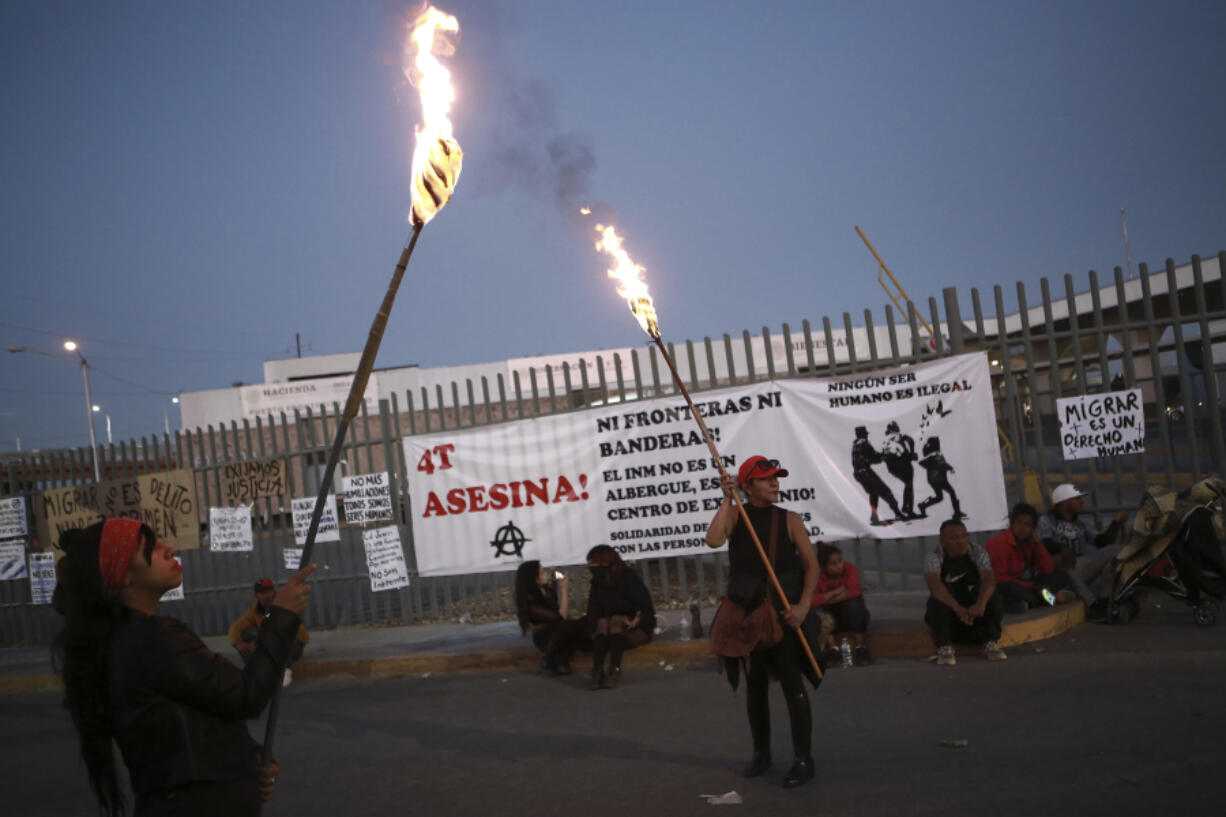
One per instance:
(541,602)
(620,613)
(839,594)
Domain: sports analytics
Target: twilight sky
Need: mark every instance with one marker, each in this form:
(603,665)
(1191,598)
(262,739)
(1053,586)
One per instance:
(187,185)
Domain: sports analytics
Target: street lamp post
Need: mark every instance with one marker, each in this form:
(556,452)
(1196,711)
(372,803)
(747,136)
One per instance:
(166,415)
(71,346)
(89,408)
(107,415)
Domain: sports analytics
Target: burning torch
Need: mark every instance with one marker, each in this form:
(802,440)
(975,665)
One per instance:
(437,160)
(633,288)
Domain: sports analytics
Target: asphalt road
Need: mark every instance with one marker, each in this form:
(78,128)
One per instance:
(1103,720)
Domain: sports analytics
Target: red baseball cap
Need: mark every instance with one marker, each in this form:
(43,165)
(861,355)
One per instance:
(263,584)
(759,467)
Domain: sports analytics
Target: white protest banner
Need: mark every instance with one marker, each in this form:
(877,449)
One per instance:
(12,560)
(385,558)
(367,498)
(1101,425)
(292,556)
(329,528)
(269,400)
(889,454)
(230,528)
(13,517)
(42,577)
(175,593)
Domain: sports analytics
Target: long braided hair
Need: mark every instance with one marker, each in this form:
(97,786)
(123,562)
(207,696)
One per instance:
(81,654)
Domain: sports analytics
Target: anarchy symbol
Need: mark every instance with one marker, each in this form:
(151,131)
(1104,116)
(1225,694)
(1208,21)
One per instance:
(509,541)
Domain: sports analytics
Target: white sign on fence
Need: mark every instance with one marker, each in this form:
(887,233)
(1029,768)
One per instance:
(367,498)
(887,454)
(230,528)
(13,517)
(175,593)
(1102,425)
(13,560)
(329,529)
(42,577)
(292,556)
(385,558)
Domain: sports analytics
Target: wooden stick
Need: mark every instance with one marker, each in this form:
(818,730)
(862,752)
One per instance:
(719,464)
(352,406)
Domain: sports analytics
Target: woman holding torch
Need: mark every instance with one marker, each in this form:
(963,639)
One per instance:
(782,533)
(176,709)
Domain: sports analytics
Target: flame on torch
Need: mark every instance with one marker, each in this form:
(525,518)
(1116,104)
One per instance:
(630,283)
(437,157)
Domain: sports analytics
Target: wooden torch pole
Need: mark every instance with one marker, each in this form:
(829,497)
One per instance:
(352,406)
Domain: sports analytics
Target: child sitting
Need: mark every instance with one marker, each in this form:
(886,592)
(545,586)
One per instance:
(839,594)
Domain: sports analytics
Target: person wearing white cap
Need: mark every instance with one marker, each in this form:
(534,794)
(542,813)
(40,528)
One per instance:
(1075,545)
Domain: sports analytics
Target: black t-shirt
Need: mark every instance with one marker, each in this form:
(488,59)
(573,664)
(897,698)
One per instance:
(744,559)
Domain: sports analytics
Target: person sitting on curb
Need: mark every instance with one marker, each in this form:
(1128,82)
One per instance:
(963,605)
(541,605)
(245,628)
(1023,567)
(838,593)
(620,614)
(1076,546)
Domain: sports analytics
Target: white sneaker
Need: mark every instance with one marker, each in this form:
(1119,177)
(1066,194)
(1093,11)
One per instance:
(993,652)
(288,679)
(946,657)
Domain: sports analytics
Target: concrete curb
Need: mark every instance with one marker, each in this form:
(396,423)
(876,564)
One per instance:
(1033,626)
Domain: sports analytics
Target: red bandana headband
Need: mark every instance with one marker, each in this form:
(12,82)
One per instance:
(120,541)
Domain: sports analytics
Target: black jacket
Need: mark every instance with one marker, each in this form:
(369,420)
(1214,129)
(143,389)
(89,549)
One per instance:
(180,709)
(627,596)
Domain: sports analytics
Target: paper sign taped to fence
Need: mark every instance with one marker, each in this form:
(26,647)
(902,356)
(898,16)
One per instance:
(13,517)
(329,529)
(230,528)
(254,479)
(368,498)
(165,501)
(385,558)
(12,560)
(885,454)
(1102,425)
(292,556)
(175,593)
(42,577)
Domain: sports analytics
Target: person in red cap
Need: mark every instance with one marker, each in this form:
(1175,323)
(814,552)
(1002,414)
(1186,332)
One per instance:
(784,538)
(245,628)
(148,684)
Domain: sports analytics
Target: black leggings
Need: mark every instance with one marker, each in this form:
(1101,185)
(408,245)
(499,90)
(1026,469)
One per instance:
(850,615)
(784,661)
(558,639)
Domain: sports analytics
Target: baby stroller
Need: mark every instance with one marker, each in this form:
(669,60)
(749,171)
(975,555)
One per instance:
(1175,546)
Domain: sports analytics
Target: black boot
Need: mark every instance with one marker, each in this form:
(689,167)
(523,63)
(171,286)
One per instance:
(600,646)
(759,764)
(800,773)
(617,648)
(800,719)
(758,709)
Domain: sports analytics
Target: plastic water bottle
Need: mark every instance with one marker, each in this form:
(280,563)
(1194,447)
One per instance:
(696,619)
(845,652)
(685,628)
